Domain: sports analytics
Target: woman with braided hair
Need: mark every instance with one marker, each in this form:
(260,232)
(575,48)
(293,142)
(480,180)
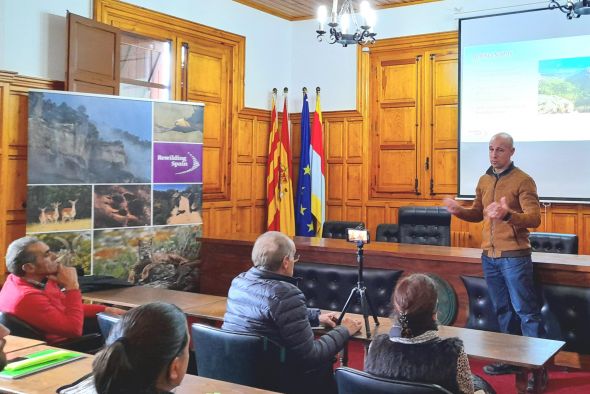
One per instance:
(413,351)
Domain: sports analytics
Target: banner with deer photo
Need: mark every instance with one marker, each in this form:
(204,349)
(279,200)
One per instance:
(115,185)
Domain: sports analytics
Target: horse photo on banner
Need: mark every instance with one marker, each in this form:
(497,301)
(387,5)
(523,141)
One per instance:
(115,185)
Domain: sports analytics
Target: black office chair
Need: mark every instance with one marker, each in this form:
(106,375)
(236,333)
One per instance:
(19,328)
(337,229)
(241,358)
(256,361)
(554,243)
(387,232)
(89,343)
(352,381)
(424,225)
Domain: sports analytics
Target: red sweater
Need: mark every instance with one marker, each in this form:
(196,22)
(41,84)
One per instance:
(57,314)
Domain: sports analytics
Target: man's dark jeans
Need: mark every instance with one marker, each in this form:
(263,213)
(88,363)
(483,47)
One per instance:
(511,286)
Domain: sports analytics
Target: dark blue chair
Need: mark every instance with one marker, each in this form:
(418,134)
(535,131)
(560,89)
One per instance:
(352,381)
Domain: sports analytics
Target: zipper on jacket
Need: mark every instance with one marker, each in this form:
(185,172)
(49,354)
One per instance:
(493,222)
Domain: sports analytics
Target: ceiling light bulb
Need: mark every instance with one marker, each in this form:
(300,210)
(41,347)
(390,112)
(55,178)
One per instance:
(322,14)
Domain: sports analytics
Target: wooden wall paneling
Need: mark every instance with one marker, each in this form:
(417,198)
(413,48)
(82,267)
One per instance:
(375,216)
(395,99)
(564,220)
(584,234)
(441,118)
(14,90)
(208,80)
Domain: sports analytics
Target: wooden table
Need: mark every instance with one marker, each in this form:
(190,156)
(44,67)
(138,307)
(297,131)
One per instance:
(532,354)
(192,384)
(50,380)
(14,343)
(213,311)
(139,295)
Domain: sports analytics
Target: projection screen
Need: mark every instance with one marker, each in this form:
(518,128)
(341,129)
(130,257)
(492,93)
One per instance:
(527,74)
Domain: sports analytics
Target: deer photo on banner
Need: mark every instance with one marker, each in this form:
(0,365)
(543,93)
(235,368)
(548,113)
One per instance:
(279,190)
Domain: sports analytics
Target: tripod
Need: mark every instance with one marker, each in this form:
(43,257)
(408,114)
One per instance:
(361,290)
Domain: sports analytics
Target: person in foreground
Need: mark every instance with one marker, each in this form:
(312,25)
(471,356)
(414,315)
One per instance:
(506,200)
(147,352)
(43,293)
(413,351)
(266,301)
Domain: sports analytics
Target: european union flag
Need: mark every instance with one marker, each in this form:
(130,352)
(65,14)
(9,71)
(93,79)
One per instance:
(303,220)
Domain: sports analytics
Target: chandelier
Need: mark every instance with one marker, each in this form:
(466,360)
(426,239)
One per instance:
(572,9)
(343,26)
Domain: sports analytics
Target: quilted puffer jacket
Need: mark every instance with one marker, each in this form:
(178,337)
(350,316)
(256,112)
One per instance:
(268,304)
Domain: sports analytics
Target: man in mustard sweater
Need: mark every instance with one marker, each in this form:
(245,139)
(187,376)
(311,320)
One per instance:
(506,200)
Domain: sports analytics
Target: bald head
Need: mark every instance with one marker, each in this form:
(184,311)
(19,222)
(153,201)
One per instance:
(505,138)
(501,150)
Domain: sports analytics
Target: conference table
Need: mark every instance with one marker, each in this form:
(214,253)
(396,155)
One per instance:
(529,353)
(50,380)
(14,343)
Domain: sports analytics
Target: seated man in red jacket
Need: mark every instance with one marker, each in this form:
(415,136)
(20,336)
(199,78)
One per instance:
(44,293)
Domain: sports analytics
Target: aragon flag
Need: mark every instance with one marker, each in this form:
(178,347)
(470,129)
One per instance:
(272,170)
(303,220)
(318,169)
(279,178)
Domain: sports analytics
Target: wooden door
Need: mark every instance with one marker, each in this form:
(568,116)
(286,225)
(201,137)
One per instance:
(396,96)
(206,76)
(441,122)
(92,56)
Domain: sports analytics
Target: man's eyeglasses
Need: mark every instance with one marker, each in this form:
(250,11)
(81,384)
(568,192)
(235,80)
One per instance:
(296,257)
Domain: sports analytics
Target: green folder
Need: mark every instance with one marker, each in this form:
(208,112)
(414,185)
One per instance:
(37,362)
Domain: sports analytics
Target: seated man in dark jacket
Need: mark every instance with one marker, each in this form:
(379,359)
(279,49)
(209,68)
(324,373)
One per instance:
(266,301)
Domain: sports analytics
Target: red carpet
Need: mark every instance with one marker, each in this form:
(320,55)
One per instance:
(571,381)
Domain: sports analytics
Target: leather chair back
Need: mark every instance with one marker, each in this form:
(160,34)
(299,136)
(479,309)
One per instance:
(327,286)
(352,381)
(19,328)
(387,232)
(481,315)
(554,243)
(337,229)
(424,226)
(106,322)
(241,358)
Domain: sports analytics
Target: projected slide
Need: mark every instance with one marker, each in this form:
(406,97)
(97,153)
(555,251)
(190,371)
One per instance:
(538,90)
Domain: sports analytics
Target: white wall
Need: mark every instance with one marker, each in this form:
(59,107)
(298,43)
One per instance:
(333,67)
(34,35)
(268,40)
(278,53)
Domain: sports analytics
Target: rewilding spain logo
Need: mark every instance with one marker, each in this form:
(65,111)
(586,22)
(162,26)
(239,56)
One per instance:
(178,163)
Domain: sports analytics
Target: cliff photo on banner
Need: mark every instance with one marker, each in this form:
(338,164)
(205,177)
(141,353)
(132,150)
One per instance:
(75,139)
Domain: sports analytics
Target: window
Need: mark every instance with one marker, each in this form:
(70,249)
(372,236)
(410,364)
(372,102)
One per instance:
(145,67)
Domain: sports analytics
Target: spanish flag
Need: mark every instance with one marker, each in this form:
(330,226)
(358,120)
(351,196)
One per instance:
(279,178)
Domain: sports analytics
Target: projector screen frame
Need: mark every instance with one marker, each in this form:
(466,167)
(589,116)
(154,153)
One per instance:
(467,197)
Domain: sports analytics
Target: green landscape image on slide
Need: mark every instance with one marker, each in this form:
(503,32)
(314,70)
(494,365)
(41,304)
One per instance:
(564,85)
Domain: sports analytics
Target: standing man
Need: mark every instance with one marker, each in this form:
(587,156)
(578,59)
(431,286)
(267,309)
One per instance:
(506,200)
(266,301)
